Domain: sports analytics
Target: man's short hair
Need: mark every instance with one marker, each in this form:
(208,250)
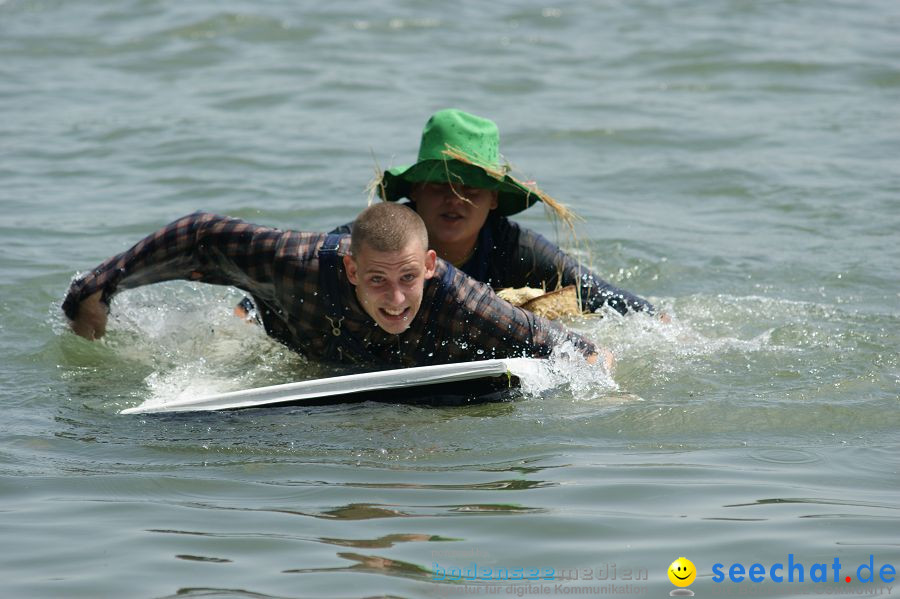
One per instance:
(387,227)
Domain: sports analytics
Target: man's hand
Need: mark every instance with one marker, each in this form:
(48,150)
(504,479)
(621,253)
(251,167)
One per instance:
(603,354)
(91,320)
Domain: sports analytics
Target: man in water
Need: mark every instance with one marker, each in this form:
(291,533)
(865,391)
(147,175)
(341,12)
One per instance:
(381,298)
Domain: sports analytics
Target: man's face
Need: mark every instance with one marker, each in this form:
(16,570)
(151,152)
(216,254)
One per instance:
(453,214)
(389,284)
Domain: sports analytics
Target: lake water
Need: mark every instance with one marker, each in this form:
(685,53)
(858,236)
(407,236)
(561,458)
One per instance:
(735,162)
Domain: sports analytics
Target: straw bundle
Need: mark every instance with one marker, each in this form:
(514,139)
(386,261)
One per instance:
(553,305)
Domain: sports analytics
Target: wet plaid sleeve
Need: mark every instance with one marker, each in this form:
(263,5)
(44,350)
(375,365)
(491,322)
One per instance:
(540,262)
(199,247)
(477,324)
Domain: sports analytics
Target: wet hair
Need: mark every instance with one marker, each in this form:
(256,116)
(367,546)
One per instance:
(387,227)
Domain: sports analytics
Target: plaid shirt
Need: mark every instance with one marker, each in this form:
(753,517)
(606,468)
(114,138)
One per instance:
(509,255)
(459,319)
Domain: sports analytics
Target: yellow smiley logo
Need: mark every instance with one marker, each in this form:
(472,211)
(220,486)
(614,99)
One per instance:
(682,572)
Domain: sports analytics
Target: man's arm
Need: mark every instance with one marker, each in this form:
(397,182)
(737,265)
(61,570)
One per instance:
(474,321)
(199,247)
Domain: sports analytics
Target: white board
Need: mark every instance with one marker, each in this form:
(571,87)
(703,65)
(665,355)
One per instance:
(317,389)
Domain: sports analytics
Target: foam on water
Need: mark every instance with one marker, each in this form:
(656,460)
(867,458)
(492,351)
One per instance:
(181,340)
(187,336)
(184,382)
(566,370)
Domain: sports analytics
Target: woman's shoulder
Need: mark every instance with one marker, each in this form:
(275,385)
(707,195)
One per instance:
(512,233)
(504,228)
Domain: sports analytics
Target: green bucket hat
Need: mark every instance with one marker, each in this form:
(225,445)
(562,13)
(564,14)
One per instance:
(458,147)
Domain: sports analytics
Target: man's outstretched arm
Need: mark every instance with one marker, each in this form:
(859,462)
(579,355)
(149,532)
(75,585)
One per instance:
(474,320)
(199,247)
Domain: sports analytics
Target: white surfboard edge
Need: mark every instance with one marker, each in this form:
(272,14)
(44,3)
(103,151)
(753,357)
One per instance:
(402,378)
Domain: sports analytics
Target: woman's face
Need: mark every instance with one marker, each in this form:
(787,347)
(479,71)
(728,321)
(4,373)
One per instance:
(453,214)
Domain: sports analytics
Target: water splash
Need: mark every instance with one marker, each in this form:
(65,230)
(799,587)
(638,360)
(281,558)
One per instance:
(187,335)
(182,340)
(566,368)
